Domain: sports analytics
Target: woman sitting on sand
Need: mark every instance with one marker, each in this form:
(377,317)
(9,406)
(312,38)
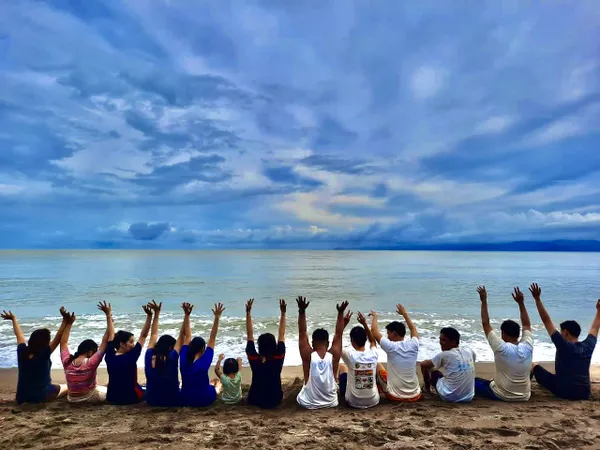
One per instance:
(195,360)
(162,361)
(81,368)
(121,364)
(267,363)
(35,384)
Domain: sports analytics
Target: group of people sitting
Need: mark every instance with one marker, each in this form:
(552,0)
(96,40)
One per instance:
(359,378)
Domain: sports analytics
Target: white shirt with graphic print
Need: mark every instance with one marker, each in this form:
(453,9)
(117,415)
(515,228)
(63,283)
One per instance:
(361,390)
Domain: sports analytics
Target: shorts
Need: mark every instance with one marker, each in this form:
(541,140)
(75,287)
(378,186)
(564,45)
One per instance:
(382,382)
(96,395)
(483,389)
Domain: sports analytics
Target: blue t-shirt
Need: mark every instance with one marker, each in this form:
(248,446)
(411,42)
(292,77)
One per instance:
(123,388)
(162,383)
(34,382)
(196,389)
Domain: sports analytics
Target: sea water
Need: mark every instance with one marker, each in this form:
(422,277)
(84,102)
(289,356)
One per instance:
(437,288)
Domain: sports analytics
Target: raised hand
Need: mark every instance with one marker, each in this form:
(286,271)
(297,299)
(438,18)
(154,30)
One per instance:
(187,308)
(249,305)
(518,296)
(106,308)
(597,306)
(218,309)
(341,307)
(536,291)
(283,306)
(302,304)
(156,307)
(373,314)
(221,357)
(8,315)
(68,318)
(347,318)
(362,319)
(400,309)
(482,293)
(147,309)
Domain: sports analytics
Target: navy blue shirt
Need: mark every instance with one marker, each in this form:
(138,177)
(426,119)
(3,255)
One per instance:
(162,383)
(265,390)
(572,365)
(123,388)
(34,383)
(196,389)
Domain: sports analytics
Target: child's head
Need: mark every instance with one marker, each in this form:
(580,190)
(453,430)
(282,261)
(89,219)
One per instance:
(123,341)
(267,345)
(231,366)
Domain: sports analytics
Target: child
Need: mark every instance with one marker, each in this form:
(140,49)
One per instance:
(231,378)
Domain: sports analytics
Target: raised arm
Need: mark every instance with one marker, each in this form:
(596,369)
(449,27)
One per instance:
(283,309)
(249,331)
(146,328)
(217,311)
(66,319)
(187,325)
(520,299)
(154,331)
(340,325)
(187,310)
(64,339)
(109,335)
(218,371)
(409,323)
(536,293)
(16,327)
(375,327)
(303,344)
(596,323)
(485,315)
(363,321)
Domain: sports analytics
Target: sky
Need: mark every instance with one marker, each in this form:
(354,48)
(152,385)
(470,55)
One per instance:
(314,124)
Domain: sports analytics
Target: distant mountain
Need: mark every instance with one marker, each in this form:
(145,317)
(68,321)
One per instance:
(515,246)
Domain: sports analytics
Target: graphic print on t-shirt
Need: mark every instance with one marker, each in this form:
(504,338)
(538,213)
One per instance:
(364,376)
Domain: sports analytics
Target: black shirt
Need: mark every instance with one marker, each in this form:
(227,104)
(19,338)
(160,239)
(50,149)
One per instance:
(572,364)
(265,390)
(34,382)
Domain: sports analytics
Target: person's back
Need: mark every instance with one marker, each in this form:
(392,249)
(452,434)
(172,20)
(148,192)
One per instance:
(458,366)
(265,389)
(196,389)
(34,378)
(123,388)
(402,380)
(81,376)
(512,381)
(320,391)
(162,379)
(572,366)
(231,379)
(361,389)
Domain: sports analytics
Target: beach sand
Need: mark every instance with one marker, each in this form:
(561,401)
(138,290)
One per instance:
(542,423)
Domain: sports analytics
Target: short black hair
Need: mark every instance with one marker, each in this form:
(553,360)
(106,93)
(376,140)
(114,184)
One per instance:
(511,328)
(230,366)
(320,335)
(451,333)
(398,327)
(358,335)
(572,327)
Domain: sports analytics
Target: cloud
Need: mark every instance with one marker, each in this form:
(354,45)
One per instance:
(427,81)
(143,231)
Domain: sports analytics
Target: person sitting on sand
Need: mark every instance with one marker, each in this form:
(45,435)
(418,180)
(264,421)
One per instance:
(161,362)
(197,389)
(34,383)
(266,363)
(81,368)
(512,356)
(573,357)
(453,374)
(320,362)
(122,354)
(231,379)
(399,382)
(358,382)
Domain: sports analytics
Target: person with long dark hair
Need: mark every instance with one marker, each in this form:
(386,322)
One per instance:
(195,360)
(121,358)
(81,367)
(162,361)
(35,383)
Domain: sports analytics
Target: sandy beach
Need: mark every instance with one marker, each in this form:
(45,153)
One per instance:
(542,423)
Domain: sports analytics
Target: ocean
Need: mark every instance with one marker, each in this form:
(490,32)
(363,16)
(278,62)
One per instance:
(437,288)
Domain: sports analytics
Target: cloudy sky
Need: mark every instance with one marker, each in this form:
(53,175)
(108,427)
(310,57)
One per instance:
(314,124)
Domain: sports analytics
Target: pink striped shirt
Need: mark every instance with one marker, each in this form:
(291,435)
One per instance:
(81,379)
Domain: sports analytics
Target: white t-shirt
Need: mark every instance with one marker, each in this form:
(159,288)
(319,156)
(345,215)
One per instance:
(458,367)
(320,391)
(361,390)
(402,367)
(513,365)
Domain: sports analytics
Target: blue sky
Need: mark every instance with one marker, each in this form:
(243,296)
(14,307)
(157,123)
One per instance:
(315,124)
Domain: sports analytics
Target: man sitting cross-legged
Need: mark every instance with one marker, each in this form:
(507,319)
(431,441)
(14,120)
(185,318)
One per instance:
(357,377)
(453,374)
(320,362)
(573,358)
(512,356)
(399,382)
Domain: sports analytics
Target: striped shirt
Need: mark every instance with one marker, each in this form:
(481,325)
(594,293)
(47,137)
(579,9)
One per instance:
(81,379)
